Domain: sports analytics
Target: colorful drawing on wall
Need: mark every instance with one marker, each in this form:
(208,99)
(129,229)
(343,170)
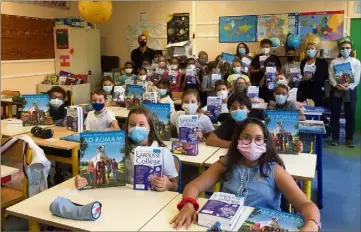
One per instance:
(237,28)
(328,25)
(272,26)
(178,28)
(64,61)
(62,38)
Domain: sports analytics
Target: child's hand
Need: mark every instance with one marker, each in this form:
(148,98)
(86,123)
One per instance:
(299,146)
(224,101)
(309,226)
(161,184)
(199,135)
(80,182)
(261,83)
(186,216)
(49,121)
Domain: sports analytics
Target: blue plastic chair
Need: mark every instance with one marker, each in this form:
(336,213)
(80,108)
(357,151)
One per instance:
(178,165)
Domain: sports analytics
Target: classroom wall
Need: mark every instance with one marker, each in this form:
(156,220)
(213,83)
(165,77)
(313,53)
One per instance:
(26,74)
(205,14)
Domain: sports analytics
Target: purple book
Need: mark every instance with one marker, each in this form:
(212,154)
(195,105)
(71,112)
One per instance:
(188,124)
(191,76)
(148,162)
(214,105)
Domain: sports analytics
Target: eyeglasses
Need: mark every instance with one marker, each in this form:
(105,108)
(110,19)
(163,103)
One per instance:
(246,140)
(343,48)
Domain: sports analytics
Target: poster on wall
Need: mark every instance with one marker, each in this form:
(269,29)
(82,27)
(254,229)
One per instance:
(62,38)
(272,26)
(237,28)
(294,23)
(328,25)
(177,28)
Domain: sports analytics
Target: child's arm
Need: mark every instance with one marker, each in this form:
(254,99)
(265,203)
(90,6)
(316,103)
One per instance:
(114,125)
(164,183)
(184,82)
(198,81)
(213,140)
(297,198)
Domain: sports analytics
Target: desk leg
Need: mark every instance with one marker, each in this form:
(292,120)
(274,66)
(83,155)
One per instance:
(306,187)
(75,161)
(10,110)
(319,170)
(200,171)
(34,226)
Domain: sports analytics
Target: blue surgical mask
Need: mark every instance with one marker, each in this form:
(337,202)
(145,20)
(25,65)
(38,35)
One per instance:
(138,134)
(162,92)
(239,115)
(311,52)
(242,51)
(346,53)
(280,99)
(108,89)
(281,82)
(98,106)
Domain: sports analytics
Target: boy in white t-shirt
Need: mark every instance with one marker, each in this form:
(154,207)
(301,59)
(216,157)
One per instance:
(100,119)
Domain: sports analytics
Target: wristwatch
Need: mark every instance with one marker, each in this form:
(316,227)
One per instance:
(318,223)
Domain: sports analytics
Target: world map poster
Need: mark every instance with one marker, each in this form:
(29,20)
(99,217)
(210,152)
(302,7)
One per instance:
(272,26)
(237,28)
(328,25)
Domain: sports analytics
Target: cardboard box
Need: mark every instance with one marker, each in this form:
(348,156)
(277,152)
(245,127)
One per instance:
(180,49)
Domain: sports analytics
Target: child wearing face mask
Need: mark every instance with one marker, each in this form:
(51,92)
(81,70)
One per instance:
(108,87)
(282,80)
(314,74)
(57,105)
(207,83)
(251,168)
(100,118)
(140,131)
(239,106)
(160,71)
(142,79)
(174,75)
(237,73)
(243,53)
(191,106)
(128,69)
(291,69)
(165,95)
(147,64)
(191,65)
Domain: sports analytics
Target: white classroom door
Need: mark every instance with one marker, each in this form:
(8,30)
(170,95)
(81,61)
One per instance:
(93,57)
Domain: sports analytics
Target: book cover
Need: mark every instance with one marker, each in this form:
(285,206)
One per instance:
(245,64)
(118,93)
(295,75)
(148,162)
(116,78)
(185,148)
(262,219)
(102,159)
(271,77)
(129,81)
(188,124)
(172,76)
(72,138)
(214,105)
(312,127)
(191,76)
(227,57)
(253,91)
(158,75)
(314,109)
(215,77)
(74,119)
(262,59)
(283,127)
(343,73)
(161,119)
(150,97)
(36,110)
(133,96)
(292,94)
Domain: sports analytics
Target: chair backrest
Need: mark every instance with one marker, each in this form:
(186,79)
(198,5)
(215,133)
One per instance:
(10,93)
(177,95)
(178,166)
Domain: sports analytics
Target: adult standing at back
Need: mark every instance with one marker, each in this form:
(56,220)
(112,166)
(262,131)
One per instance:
(243,53)
(141,53)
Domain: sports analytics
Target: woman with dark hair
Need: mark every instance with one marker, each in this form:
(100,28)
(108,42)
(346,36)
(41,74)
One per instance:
(243,53)
(252,169)
(343,90)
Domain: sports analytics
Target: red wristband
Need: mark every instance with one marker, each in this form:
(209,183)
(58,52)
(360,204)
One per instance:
(188,200)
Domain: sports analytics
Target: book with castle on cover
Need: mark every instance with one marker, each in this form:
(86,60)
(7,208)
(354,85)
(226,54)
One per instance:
(283,127)
(133,96)
(102,159)
(148,162)
(262,219)
(343,73)
(214,105)
(161,119)
(36,110)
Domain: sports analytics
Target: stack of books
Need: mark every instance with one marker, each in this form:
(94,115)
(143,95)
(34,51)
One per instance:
(224,208)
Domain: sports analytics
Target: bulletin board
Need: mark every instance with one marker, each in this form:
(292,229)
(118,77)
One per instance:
(25,38)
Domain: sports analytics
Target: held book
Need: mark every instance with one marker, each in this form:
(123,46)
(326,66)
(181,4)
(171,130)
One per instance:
(150,97)
(215,77)
(283,127)
(214,105)
(118,94)
(133,96)
(148,162)
(74,120)
(36,110)
(188,125)
(262,219)
(102,159)
(161,119)
(191,76)
(312,127)
(253,91)
(271,77)
(172,76)
(343,73)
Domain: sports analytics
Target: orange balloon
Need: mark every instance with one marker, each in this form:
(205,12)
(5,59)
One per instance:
(95,11)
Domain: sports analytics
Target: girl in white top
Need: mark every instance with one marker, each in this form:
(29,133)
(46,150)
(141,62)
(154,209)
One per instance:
(165,94)
(191,106)
(139,131)
(344,90)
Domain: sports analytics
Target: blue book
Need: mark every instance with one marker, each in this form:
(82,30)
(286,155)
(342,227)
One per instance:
(227,57)
(161,119)
(312,127)
(72,138)
(133,96)
(271,77)
(102,159)
(283,127)
(36,110)
(262,219)
(214,105)
(191,76)
(148,162)
(314,109)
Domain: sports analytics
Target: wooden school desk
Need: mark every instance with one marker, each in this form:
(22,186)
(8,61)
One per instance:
(161,221)
(121,112)
(123,209)
(55,142)
(8,130)
(301,167)
(6,173)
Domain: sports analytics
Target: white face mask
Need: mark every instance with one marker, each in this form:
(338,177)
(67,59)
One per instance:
(56,103)
(190,109)
(142,78)
(174,66)
(223,94)
(128,70)
(191,66)
(265,51)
